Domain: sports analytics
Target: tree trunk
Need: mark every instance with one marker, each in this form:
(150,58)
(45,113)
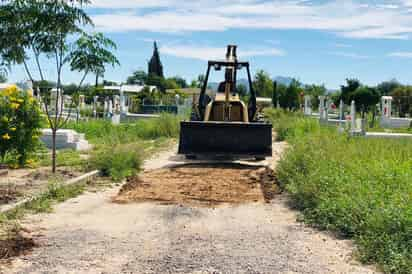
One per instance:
(97,80)
(54,131)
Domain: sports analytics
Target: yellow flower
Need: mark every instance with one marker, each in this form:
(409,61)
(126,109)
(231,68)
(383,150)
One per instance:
(10,90)
(20,101)
(13,129)
(6,136)
(14,105)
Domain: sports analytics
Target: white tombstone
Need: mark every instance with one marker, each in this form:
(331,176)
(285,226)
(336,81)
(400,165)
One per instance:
(56,97)
(387,106)
(327,109)
(110,109)
(116,104)
(81,101)
(105,107)
(308,107)
(122,102)
(322,108)
(95,98)
(353,116)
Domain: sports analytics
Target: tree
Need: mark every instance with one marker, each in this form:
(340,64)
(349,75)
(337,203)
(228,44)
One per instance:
(91,54)
(157,81)
(171,83)
(387,87)
(262,84)
(289,96)
(45,28)
(3,78)
(314,91)
(275,94)
(241,90)
(139,77)
(402,100)
(365,98)
(346,91)
(155,65)
(181,83)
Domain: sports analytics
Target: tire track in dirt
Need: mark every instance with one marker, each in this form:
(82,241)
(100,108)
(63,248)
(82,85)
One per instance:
(92,234)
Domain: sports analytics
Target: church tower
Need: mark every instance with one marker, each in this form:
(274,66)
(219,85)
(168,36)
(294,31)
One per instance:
(155,65)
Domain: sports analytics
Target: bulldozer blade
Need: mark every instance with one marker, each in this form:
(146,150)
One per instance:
(233,139)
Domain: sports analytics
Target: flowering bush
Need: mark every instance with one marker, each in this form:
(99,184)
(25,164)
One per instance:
(20,121)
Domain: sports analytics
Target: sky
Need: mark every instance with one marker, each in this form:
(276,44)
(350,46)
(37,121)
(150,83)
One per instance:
(322,41)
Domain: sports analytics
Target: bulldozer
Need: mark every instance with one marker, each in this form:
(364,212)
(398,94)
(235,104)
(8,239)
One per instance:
(223,125)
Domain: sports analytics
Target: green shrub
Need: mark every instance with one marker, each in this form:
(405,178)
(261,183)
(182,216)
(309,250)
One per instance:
(20,121)
(290,124)
(65,157)
(104,132)
(361,188)
(118,161)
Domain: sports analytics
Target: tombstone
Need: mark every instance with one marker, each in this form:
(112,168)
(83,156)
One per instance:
(55,95)
(308,107)
(105,107)
(341,118)
(353,116)
(110,109)
(327,109)
(122,102)
(322,108)
(95,98)
(81,101)
(116,104)
(387,107)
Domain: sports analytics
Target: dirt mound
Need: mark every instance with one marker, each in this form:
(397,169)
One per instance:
(15,243)
(8,194)
(203,185)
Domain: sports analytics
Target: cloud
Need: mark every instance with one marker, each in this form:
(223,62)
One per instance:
(217,53)
(350,55)
(351,19)
(127,4)
(340,45)
(401,54)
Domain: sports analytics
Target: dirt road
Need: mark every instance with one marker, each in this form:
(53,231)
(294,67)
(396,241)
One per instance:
(92,234)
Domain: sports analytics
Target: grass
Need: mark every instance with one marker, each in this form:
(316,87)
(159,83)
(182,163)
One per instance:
(360,188)
(120,149)
(65,157)
(55,193)
(119,161)
(104,132)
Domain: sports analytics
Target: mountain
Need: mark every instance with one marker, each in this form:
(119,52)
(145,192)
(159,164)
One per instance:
(242,81)
(283,80)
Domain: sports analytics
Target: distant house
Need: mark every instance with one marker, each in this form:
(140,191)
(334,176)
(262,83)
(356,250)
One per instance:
(128,88)
(191,91)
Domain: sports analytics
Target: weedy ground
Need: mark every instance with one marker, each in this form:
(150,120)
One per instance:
(360,188)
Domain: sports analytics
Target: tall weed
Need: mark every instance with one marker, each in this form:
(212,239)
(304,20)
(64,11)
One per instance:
(361,188)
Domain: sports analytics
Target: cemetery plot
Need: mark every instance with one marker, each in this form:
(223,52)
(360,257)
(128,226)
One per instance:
(21,183)
(201,185)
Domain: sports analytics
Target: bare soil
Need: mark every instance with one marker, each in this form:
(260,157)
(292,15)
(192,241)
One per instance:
(15,243)
(19,183)
(230,227)
(201,185)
